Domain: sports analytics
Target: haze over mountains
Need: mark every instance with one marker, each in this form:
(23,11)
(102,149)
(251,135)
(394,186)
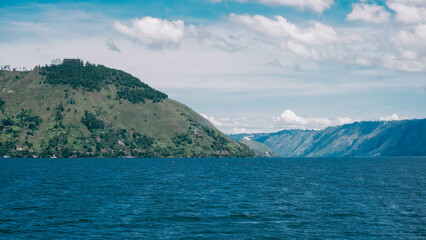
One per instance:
(85,110)
(359,139)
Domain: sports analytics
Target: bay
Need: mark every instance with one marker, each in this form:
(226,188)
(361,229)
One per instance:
(263,198)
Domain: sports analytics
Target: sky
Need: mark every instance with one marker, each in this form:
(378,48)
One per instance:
(246,65)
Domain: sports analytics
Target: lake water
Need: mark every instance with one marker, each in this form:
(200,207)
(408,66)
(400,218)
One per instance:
(295,198)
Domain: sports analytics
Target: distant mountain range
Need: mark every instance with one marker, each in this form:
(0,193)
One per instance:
(359,139)
(76,109)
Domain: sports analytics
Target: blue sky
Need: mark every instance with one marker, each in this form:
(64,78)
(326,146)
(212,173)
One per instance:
(246,65)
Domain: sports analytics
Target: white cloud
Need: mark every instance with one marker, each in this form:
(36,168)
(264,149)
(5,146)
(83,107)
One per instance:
(218,1)
(301,50)
(368,13)
(392,117)
(408,11)
(392,62)
(409,49)
(153,32)
(239,130)
(212,120)
(412,37)
(409,54)
(280,28)
(290,117)
(315,5)
(292,120)
(344,120)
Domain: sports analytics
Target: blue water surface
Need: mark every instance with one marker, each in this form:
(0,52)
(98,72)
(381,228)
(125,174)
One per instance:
(287,198)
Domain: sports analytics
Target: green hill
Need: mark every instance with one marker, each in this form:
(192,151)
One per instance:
(86,110)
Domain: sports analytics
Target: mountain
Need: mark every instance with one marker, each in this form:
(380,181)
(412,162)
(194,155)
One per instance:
(259,149)
(364,139)
(286,143)
(86,110)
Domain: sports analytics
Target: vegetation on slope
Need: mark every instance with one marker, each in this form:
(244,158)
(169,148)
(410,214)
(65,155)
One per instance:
(260,149)
(93,77)
(83,110)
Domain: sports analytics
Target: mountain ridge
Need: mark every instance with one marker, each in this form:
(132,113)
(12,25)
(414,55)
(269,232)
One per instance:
(358,139)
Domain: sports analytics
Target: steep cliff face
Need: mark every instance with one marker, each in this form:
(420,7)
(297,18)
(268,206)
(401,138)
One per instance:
(86,110)
(393,138)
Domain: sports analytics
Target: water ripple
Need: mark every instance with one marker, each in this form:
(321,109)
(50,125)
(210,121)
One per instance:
(213,198)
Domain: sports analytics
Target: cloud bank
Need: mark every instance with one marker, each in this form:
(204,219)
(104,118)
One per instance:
(288,119)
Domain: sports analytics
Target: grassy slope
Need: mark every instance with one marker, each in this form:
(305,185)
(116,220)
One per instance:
(162,121)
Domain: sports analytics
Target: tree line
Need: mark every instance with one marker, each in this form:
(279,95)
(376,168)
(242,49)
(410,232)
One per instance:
(92,77)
